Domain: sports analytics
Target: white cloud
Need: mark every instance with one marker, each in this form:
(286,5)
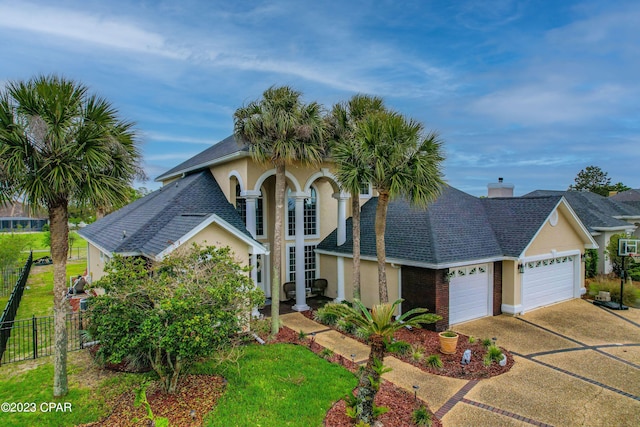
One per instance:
(84,27)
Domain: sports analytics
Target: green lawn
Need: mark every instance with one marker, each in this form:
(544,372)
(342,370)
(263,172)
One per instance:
(272,385)
(32,382)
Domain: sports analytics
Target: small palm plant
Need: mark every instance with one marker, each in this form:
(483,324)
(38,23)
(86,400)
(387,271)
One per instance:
(381,324)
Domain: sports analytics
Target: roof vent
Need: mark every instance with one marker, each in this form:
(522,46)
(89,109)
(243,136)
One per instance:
(500,189)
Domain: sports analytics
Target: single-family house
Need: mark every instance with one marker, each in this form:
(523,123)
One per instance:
(462,257)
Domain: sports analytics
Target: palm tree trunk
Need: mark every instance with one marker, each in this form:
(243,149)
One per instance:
(277,249)
(58,219)
(381,226)
(355,218)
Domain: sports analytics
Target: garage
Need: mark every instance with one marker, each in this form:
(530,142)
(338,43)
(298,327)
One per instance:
(469,293)
(548,281)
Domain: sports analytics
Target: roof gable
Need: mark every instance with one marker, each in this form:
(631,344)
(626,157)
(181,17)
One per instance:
(225,149)
(150,225)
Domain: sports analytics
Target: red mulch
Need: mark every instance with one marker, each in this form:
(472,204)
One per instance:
(201,392)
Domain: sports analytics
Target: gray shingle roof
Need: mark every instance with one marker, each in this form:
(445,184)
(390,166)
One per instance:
(595,211)
(457,227)
(223,149)
(515,221)
(156,221)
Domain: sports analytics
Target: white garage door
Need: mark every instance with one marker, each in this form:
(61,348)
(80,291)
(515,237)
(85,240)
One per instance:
(547,281)
(469,293)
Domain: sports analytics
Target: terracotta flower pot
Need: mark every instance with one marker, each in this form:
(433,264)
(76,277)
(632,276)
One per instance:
(448,342)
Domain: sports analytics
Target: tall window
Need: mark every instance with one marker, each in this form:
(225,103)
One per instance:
(309,264)
(310,214)
(241,207)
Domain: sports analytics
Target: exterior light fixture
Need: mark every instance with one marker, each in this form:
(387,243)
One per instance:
(520,268)
(415,392)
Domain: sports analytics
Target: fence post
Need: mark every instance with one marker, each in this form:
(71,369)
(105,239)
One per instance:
(35,337)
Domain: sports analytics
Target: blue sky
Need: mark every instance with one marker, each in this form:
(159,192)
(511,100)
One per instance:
(532,91)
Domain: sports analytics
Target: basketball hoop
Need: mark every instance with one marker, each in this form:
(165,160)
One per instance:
(627,248)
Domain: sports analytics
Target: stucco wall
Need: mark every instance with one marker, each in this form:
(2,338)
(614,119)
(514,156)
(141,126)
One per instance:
(95,265)
(510,284)
(214,235)
(561,237)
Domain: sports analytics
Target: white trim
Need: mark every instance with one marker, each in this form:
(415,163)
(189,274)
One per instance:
(234,173)
(553,254)
(410,263)
(304,195)
(511,309)
(254,246)
(209,164)
(271,172)
(323,173)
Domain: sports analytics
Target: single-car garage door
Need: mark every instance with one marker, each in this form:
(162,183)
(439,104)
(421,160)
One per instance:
(548,281)
(469,293)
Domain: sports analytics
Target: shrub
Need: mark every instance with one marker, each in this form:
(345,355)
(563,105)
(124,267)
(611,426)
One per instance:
(421,416)
(494,354)
(471,340)
(434,361)
(417,353)
(326,353)
(324,316)
(398,347)
(191,305)
(486,342)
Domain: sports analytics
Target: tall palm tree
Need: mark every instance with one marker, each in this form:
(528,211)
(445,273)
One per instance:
(281,130)
(404,163)
(378,325)
(352,168)
(58,144)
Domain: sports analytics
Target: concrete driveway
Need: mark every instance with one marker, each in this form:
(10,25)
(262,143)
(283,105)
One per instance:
(576,365)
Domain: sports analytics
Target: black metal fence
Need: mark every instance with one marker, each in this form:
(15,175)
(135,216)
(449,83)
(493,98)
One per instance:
(8,278)
(11,308)
(33,338)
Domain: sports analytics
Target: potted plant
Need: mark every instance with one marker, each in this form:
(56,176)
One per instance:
(448,342)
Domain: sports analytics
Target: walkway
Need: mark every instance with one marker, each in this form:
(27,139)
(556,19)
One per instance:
(576,364)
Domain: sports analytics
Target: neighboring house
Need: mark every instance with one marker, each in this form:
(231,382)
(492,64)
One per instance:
(16,217)
(629,197)
(603,217)
(462,257)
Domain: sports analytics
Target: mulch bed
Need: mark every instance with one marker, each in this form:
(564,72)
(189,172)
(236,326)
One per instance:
(199,393)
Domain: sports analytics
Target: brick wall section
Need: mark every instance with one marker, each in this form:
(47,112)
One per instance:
(426,288)
(497,288)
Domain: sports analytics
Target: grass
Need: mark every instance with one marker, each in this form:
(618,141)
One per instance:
(38,299)
(279,385)
(272,385)
(631,290)
(32,382)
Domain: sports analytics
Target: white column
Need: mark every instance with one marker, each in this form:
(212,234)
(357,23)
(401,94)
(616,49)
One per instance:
(301,294)
(340,275)
(250,205)
(250,197)
(342,216)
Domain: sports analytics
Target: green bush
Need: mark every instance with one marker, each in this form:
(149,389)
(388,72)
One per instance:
(398,347)
(494,354)
(434,361)
(324,316)
(417,353)
(421,416)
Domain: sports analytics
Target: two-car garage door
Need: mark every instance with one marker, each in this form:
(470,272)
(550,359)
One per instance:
(548,281)
(470,293)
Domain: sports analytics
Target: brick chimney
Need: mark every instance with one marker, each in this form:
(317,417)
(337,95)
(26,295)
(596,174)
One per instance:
(500,189)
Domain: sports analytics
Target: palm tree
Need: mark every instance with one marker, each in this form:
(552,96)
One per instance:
(280,130)
(378,325)
(60,144)
(352,168)
(403,163)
